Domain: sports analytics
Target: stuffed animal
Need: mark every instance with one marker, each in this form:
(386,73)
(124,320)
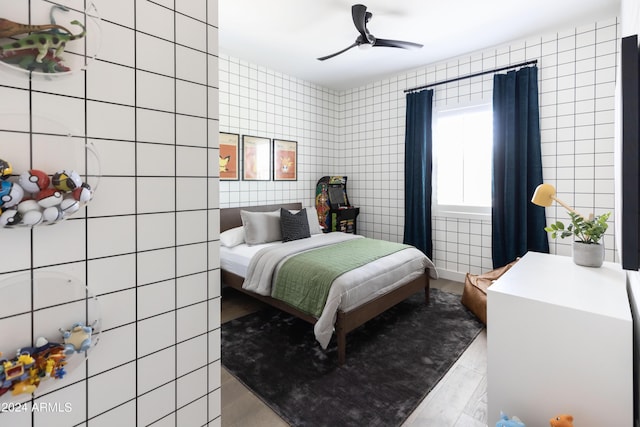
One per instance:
(506,422)
(562,420)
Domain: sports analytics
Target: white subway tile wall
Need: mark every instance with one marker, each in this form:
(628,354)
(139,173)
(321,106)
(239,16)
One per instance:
(360,133)
(577,70)
(147,245)
(260,102)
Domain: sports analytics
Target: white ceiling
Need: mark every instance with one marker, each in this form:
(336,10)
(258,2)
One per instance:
(288,35)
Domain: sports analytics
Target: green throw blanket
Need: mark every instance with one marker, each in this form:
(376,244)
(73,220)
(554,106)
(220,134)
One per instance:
(304,280)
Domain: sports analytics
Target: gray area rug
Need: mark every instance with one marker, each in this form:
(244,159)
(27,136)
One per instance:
(393,361)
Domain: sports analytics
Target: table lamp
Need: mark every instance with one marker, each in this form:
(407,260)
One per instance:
(545,195)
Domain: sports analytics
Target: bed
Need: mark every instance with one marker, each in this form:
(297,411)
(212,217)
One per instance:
(354,297)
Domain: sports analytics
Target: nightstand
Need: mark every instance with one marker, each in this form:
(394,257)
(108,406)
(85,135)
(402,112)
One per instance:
(560,340)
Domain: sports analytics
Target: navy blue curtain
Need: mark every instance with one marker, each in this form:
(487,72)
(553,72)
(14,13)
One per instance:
(417,175)
(517,224)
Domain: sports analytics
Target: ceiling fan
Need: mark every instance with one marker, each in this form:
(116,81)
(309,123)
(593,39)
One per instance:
(366,39)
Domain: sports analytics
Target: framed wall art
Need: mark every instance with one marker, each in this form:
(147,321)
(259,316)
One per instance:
(285,160)
(228,157)
(256,165)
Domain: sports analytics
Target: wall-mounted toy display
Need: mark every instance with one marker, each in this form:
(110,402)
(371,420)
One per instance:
(34,198)
(23,372)
(57,39)
(61,332)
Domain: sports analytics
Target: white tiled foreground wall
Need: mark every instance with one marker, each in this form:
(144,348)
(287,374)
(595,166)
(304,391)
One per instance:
(360,133)
(147,245)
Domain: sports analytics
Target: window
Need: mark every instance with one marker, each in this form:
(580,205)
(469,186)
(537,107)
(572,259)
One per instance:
(462,152)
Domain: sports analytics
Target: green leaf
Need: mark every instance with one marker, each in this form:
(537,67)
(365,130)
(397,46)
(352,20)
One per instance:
(584,230)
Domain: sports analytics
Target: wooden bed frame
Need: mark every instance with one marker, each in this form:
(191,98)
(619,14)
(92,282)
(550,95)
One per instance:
(346,321)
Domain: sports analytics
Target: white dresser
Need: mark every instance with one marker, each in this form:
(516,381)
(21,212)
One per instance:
(560,341)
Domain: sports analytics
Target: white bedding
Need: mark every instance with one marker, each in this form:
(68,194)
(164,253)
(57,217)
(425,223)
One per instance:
(348,291)
(236,259)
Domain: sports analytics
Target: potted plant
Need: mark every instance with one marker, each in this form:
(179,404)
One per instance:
(587,250)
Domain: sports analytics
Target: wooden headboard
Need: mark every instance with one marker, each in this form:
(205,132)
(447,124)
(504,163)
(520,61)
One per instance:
(230,217)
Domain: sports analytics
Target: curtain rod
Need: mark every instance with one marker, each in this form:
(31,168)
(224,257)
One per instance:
(522,64)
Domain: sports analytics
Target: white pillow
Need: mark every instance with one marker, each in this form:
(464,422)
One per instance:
(312,218)
(314,224)
(232,237)
(261,227)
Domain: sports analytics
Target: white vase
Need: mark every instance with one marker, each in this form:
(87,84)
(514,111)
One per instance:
(588,254)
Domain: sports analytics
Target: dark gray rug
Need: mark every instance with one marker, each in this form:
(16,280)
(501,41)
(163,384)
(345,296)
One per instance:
(393,361)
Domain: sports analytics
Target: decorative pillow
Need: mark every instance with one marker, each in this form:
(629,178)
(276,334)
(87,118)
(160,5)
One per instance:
(294,226)
(261,227)
(314,224)
(232,237)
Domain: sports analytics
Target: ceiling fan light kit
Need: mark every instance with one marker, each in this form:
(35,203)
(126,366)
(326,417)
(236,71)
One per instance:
(366,40)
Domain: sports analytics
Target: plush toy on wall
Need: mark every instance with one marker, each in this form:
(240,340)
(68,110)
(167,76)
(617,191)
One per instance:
(506,422)
(563,420)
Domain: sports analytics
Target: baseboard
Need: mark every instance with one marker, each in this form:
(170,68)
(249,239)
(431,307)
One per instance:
(451,275)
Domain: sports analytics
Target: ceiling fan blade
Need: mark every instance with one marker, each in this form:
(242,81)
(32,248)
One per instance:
(359,15)
(365,39)
(397,43)
(337,53)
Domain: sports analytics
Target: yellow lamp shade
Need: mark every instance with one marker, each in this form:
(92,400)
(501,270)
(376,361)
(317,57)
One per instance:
(544,195)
